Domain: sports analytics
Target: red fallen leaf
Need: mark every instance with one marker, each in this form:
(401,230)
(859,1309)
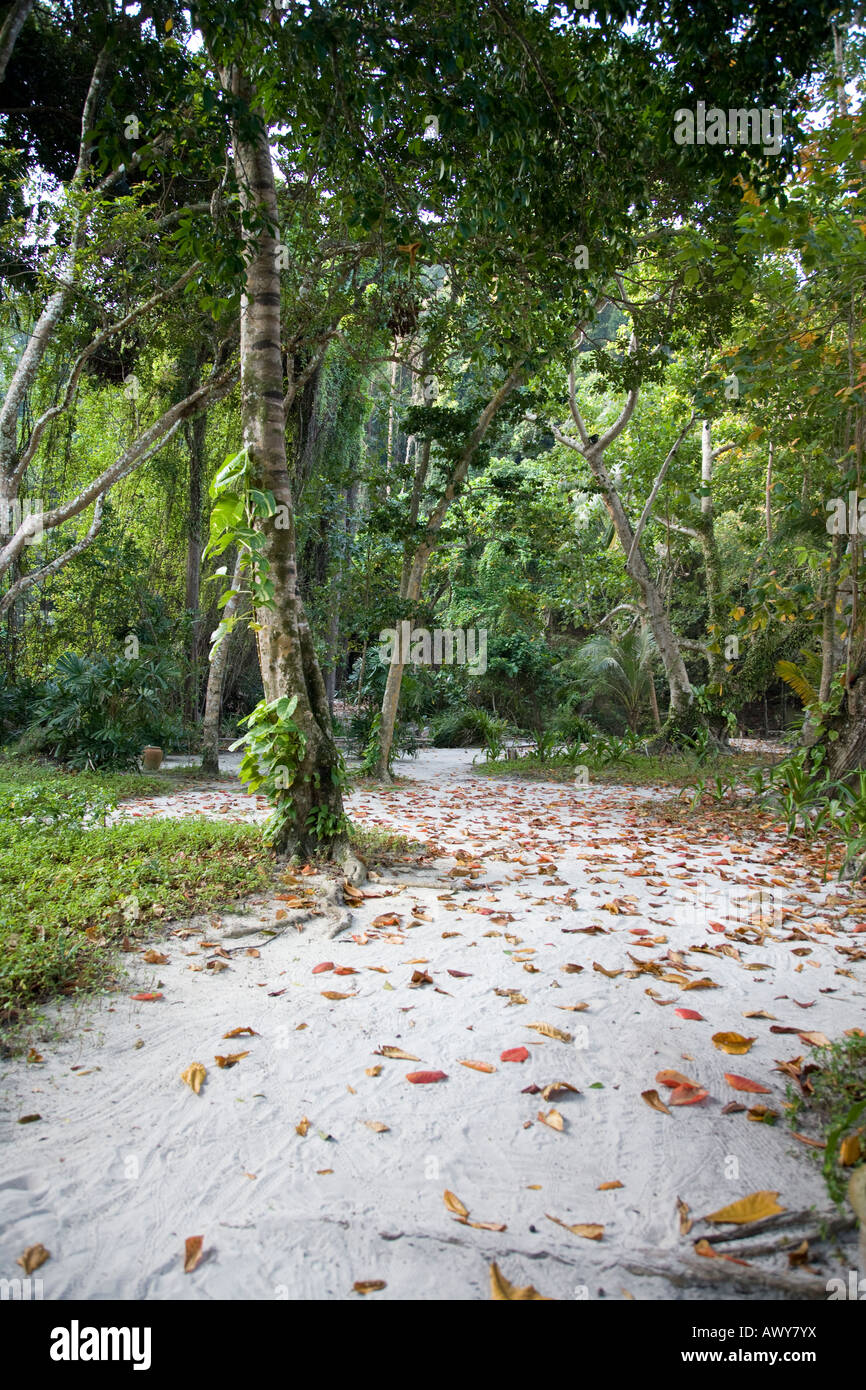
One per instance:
(146,998)
(686,1095)
(716,926)
(742,1083)
(531,1090)
(690,1013)
(325,965)
(425,1078)
(344,970)
(514,1054)
(460,974)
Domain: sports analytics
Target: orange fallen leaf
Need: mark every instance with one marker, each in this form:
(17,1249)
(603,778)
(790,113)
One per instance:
(239,1033)
(733,1043)
(33,1257)
(192,1253)
(477,1066)
(230,1059)
(426,1078)
(742,1083)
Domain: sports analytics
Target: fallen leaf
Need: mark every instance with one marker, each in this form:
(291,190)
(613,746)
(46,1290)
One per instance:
(690,1013)
(654,1100)
(325,965)
(230,1059)
(549,1031)
(372,1071)
(478,1066)
(145,998)
(192,1253)
(742,1083)
(672,1078)
(733,1043)
(154,958)
(32,1258)
(501,1291)
(302,1127)
(376,1126)
(551,1091)
(396,1052)
(686,1221)
(240,1032)
(514,1054)
(589,1231)
(365,1285)
(552,1119)
(454,1204)
(687,1095)
(752,1208)
(426,1078)
(608,1186)
(194,1076)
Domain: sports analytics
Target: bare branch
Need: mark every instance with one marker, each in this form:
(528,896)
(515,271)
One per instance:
(645,514)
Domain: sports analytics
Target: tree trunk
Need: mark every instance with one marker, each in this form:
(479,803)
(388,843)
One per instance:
(286,653)
(195,437)
(216,675)
(681,712)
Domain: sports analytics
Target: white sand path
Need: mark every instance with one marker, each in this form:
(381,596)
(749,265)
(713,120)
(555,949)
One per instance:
(126,1161)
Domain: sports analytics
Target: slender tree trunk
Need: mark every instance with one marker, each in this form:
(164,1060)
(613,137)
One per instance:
(679,686)
(195,435)
(216,676)
(286,653)
(12,26)
(706,530)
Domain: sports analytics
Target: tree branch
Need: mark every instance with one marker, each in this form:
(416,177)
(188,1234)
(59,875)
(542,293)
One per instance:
(37,576)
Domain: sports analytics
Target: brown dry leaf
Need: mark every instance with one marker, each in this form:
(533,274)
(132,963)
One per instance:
(551,1091)
(733,1043)
(571,968)
(761,1013)
(372,1071)
(484,1225)
(501,1291)
(800,1256)
(230,1059)
(368,1285)
(217,965)
(752,1208)
(33,1257)
(34,1057)
(154,958)
(816,1039)
(477,1066)
(686,1221)
(654,1100)
(241,1032)
(377,1126)
(398,1053)
(611,974)
(552,1119)
(589,1231)
(192,1253)
(303,1127)
(548,1030)
(194,1076)
(454,1204)
(608,1186)
(252,951)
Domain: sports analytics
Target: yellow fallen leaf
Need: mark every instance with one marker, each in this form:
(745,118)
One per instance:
(501,1291)
(548,1030)
(302,1127)
(553,1119)
(372,1071)
(850,1150)
(194,1076)
(589,1231)
(376,1126)
(733,1043)
(752,1208)
(454,1204)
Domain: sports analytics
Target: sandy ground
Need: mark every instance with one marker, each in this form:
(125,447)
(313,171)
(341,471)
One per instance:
(126,1161)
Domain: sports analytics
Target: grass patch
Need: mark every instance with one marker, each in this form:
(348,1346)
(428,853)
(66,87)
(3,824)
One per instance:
(372,842)
(69,895)
(835,1108)
(18,773)
(633,770)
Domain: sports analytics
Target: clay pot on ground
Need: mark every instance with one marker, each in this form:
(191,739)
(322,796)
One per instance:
(151,757)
